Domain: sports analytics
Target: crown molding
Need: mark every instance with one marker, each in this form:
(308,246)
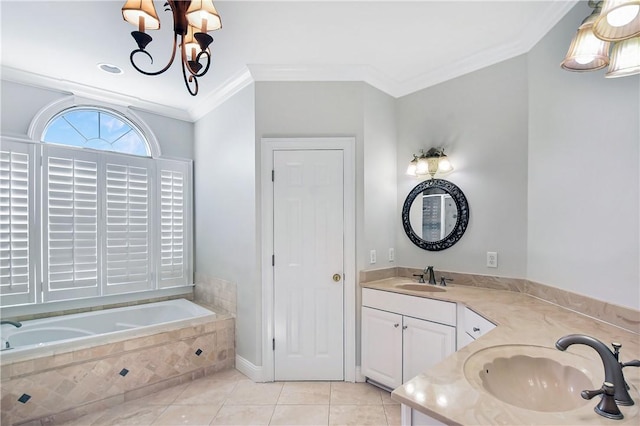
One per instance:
(90,92)
(226,91)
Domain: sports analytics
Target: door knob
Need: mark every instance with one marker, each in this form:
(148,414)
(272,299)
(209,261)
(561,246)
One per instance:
(337,277)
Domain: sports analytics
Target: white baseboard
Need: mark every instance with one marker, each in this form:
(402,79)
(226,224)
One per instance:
(254,372)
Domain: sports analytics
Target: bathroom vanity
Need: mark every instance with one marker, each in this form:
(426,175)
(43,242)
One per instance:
(431,346)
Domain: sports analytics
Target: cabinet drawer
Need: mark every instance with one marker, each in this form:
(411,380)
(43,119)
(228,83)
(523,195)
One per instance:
(476,325)
(417,307)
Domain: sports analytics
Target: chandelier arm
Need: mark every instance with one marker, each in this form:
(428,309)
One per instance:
(173,54)
(206,68)
(189,79)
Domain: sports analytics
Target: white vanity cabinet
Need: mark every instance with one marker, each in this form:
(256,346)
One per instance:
(404,335)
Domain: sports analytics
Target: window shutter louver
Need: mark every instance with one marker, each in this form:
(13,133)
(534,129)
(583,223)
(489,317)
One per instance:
(128,232)
(17,212)
(70,207)
(173,268)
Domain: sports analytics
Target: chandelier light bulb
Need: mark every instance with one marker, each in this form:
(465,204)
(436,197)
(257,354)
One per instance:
(623,15)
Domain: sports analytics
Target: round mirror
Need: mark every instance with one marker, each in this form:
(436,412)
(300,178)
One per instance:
(435,214)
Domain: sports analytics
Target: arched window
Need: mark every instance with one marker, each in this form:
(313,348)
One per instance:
(96,129)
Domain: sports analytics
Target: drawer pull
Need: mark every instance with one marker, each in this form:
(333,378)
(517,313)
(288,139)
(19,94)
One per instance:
(396,325)
(476,329)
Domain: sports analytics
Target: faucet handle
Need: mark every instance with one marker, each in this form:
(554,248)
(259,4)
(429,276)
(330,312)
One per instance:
(616,349)
(421,280)
(634,363)
(443,281)
(607,406)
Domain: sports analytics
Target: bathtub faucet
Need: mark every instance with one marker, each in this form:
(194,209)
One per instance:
(16,324)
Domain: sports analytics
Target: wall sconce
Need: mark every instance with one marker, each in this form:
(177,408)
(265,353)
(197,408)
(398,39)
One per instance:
(429,163)
(614,23)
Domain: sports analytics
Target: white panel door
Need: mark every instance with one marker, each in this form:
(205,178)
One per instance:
(382,346)
(308,249)
(425,344)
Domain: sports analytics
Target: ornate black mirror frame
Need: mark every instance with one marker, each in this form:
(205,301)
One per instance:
(461,221)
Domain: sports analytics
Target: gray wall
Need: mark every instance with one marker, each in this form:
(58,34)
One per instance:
(380,183)
(481,120)
(20,103)
(584,138)
(225,206)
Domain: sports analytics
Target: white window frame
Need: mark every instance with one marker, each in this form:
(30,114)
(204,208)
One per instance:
(39,293)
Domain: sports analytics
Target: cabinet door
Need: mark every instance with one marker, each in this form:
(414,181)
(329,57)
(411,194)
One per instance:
(382,346)
(425,344)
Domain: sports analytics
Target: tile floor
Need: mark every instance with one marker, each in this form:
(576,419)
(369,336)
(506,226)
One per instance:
(229,398)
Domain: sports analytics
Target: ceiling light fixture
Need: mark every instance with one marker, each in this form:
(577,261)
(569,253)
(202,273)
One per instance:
(192,19)
(613,25)
(429,163)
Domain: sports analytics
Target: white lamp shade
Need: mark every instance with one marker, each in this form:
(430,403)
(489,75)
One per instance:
(203,15)
(135,10)
(625,58)
(586,52)
(618,20)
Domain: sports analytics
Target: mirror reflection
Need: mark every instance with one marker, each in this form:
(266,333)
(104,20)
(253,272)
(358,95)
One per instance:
(435,214)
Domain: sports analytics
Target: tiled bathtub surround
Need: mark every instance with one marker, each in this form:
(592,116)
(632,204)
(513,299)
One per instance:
(215,292)
(621,316)
(70,384)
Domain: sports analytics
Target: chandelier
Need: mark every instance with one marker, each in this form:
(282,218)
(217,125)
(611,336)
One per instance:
(615,24)
(192,19)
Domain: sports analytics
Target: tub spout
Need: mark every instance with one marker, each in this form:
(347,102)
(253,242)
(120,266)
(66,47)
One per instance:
(612,367)
(16,324)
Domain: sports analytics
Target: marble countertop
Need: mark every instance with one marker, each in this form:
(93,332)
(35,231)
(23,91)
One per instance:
(444,393)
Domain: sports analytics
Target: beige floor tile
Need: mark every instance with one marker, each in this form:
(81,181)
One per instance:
(244,415)
(205,391)
(294,415)
(305,393)
(357,415)
(343,393)
(163,397)
(392,411)
(247,392)
(187,415)
(228,375)
(129,414)
(386,398)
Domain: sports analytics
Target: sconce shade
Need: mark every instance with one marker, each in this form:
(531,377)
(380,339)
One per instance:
(135,10)
(619,20)
(429,163)
(203,15)
(190,43)
(625,58)
(586,52)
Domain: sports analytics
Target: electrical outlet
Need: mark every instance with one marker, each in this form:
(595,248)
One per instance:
(392,255)
(372,256)
(492,259)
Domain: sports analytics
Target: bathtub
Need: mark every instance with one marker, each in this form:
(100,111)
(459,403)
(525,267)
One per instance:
(60,368)
(99,325)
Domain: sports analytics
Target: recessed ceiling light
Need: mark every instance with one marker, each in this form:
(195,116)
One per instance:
(111,69)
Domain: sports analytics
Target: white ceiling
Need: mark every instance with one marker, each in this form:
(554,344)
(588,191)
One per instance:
(399,47)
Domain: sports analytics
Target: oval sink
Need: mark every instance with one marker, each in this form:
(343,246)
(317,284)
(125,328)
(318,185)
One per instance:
(532,377)
(420,287)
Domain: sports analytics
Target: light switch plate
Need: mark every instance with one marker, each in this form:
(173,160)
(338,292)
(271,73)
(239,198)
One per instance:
(372,256)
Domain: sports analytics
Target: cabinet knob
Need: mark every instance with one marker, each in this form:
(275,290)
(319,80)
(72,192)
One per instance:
(476,329)
(396,325)
(404,327)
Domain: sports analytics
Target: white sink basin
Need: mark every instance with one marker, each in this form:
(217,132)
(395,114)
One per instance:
(420,287)
(532,377)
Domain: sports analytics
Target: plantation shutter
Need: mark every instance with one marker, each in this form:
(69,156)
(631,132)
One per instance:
(128,263)
(174,268)
(17,215)
(70,223)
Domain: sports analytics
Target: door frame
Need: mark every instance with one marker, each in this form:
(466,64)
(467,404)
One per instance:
(268,146)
